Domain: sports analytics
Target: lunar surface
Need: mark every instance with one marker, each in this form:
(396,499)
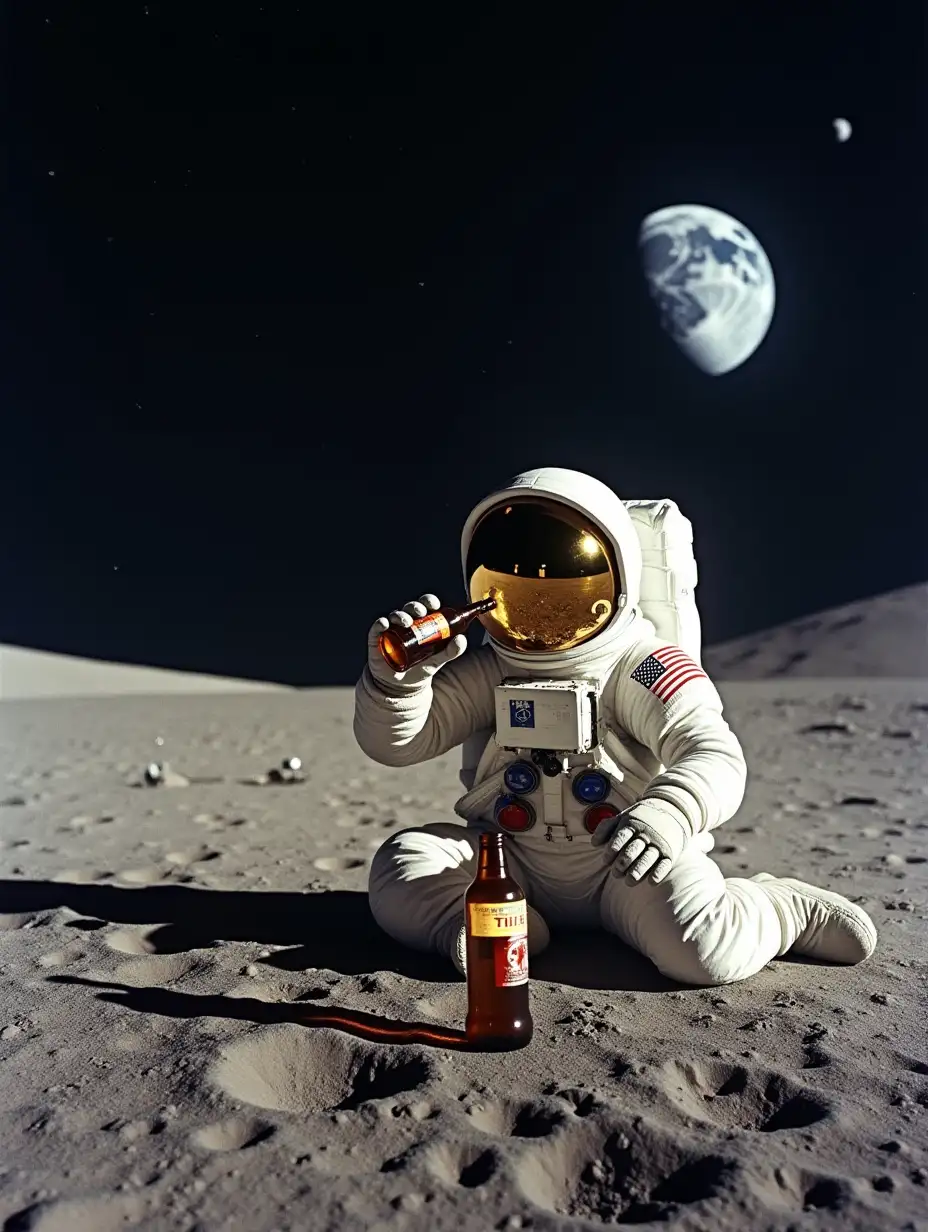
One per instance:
(711,282)
(173,956)
(883,636)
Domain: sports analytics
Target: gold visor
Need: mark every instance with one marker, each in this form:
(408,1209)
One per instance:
(551,572)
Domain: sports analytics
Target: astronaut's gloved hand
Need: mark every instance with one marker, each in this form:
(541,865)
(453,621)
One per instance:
(381,670)
(647,838)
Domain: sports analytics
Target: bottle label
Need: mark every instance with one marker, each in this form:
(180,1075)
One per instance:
(498,919)
(431,628)
(510,960)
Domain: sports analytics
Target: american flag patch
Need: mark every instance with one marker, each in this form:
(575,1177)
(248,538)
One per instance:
(666,671)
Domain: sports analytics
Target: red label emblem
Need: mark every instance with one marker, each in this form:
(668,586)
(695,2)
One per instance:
(511,960)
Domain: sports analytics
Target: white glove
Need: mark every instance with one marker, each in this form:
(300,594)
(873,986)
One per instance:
(403,617)
(647,838)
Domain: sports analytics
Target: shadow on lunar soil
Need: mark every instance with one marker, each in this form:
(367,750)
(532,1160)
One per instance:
(329,930)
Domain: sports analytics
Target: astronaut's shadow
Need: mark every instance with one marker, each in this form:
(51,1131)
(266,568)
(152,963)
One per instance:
(332,930)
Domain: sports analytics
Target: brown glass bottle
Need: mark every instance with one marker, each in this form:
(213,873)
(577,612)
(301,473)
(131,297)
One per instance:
(498,1015)
(404,648)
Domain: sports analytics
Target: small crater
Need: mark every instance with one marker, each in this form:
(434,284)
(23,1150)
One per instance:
(155,972)
(86,925)
(384,1076)
(232,1134)
(288,1069)
(738,1097)
(111,1213)
(515,1120)
(815,1058)
(458,1164)
(61,958)
(623,1176)
(193,855)
(826,1194)
(337,864)
(583,1102)
(158,939)
(149,875)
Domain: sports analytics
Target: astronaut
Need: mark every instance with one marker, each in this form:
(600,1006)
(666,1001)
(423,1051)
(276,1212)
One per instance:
(614,829)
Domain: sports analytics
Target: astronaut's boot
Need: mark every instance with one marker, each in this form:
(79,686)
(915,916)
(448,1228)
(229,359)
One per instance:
(818,923)
(538,938)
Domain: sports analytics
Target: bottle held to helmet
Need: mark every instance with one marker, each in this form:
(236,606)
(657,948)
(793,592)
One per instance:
(405,648)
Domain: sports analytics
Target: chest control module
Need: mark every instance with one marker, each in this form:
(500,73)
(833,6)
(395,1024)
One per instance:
(558,715)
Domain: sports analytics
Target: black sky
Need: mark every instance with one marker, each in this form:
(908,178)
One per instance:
(301,289)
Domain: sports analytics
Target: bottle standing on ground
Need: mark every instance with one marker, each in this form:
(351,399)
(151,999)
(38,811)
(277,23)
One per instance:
(498,1015)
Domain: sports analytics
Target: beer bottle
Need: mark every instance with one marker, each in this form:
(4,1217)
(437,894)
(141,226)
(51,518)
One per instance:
(404,648)
(498,1014)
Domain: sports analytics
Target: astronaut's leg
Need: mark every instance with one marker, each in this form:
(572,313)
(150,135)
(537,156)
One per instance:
(699,927)
(417,885)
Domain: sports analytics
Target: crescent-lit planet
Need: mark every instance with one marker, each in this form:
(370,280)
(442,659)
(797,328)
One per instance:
(842,128)
(711,282)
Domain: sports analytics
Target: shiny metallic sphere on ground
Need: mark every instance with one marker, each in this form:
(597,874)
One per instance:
(293,764)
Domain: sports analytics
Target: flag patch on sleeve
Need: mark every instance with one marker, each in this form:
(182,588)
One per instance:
(666,671)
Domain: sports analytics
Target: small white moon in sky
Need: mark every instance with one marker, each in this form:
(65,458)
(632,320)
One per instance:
(842,129)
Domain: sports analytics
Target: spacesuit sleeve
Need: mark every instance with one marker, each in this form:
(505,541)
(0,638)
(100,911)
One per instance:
(411,724)
(666,702)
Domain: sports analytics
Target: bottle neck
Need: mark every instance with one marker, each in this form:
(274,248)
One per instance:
(478,608)
(491,861)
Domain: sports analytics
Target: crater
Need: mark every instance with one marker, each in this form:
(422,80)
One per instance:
(337,864)
(158,939)
(149,875)
(826,1194)
(155,972)
(289,1069)
(193,855)
(461,1164)
(232,1134)
(739,1097)
(509,1119)
(620,1175)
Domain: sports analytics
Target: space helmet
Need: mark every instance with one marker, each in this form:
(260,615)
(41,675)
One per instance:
(551,570)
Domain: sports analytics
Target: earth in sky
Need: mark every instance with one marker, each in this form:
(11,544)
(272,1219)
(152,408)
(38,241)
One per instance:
(711,281)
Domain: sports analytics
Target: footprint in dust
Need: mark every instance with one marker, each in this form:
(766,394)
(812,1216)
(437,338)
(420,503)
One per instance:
(287,1069)
(620,1173)
(509,1119)
(232,1134)
(156,971)
(159,939)
(741,1097)
(458,1163)
(337,864)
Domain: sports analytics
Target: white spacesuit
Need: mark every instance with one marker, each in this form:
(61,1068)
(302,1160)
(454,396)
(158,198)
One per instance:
(610,826)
